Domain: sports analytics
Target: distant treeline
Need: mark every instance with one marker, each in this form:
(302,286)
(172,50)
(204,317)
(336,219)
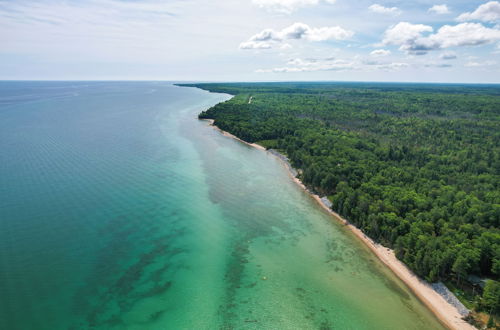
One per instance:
(416,167)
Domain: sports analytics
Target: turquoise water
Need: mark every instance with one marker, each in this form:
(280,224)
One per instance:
(120,210)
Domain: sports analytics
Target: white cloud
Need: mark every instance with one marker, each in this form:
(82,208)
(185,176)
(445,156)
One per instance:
(269,37)
(327,33)
(465,34)
(488,12)
(380,52)
(479,64)
(439,9)
(81,31)
(158,39)
(332,64)
(438,65)
(392,66)
(410,36)
(294,31)
(312,61)
(308,65)
(255,45)
(288,6)
(404,33)
(448,56)
(384,10)
(384,66)
(265,35)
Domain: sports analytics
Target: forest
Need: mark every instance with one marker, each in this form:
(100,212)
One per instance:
(415,166)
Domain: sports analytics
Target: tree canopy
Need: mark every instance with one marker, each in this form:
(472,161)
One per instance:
(416,167)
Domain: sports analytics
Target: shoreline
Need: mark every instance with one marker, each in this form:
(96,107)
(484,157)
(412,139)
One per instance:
(255,145)
(445,312)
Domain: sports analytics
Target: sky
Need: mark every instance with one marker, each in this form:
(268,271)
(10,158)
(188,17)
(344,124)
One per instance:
(251,40)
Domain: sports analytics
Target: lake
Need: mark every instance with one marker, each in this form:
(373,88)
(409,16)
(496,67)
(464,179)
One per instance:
(119,209)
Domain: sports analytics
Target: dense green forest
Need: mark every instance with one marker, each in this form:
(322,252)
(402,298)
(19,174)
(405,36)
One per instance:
(415,166)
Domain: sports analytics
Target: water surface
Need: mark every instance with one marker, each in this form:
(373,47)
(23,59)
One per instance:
(120,210)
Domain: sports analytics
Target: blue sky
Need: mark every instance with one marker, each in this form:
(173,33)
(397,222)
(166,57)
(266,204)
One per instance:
(252,40)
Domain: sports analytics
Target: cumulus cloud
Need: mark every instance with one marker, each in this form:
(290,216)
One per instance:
(268,38)
(265,35)
(404,33)
(439,9)
(380,52)
(304,31)
(326,33)
(488,12)
(465,34)
(376,8)
(448,56)
(288,6)
(410,37)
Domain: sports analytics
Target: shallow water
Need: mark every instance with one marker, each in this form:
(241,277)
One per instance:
(120,210)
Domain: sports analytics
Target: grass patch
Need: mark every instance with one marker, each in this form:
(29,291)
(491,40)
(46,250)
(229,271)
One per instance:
(464,295)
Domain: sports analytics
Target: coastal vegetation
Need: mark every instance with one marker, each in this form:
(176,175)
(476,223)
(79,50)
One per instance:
(416,167)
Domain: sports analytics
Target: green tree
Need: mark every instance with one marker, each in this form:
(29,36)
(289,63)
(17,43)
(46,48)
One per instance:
(491,297)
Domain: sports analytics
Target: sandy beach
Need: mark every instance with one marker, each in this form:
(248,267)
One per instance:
(211,121)
(444,311)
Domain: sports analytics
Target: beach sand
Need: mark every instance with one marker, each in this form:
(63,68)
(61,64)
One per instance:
(444,311)
(211,121)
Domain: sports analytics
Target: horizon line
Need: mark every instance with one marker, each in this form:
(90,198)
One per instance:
(249,81)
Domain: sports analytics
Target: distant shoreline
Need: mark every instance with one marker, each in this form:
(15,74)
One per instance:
(443,310)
